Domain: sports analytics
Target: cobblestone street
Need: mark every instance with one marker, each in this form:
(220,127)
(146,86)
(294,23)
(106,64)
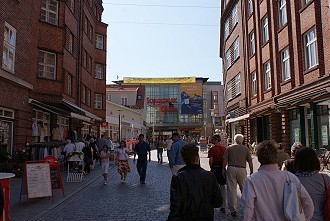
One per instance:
(92,200)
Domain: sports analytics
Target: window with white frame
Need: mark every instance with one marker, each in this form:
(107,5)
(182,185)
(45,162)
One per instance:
(99,41)
(98,101)
(99,71)
(267,74)
(229,91)
(46,65)
(204,95)
(70,43)
(252,44)
(69,84)
(265,35)
(254,83)
(124,101)
(63,122)
(226,28)
(311,59)
(9,48)
(234,14)
(237,84)
(236,49)
(305,2)
(85,129)
(49,11)
(285,59)
(250,7)
(205,104)
(71,5)
(108,97)
(282,13)
(228,58)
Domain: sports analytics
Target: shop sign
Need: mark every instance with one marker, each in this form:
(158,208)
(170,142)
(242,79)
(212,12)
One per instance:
(168,109)
(104,124)
(162,100)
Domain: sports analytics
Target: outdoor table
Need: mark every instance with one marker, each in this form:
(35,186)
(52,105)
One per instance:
(5,184)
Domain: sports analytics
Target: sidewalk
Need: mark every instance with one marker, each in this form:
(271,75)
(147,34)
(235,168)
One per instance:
(20,211)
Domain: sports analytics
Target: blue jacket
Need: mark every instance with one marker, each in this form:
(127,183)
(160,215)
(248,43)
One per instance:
(174,155)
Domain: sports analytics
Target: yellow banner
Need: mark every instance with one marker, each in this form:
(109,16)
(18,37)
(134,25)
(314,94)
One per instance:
(180,80)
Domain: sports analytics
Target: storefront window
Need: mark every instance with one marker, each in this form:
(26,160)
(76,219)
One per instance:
(6,135)
(324,119)
(85,129)
(40,126)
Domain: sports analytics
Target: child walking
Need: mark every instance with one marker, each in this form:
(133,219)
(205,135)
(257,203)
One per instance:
(121,156)
(104,156)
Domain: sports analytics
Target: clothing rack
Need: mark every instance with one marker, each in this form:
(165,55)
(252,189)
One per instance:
(41,150)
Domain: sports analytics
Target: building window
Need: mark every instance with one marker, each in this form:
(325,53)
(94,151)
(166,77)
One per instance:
(237,84)
(83,94)
(99,71)
(267,74)
(310,49)
(229,89)
(108,97)
(252,44)
(98,101)
(124,101)
(231,21)
(226,28)
(265,36)
(282,13)
(254,83)
(88,97)
(285,59)
(250,7)
(204,95)
(69,84)
(89,63)
(228,58)
(70,43)
(234,14)
(99,41)
(9,48)
(49,11)
(305,2)
(47,65)
(205,104)
(71,5)
(236,49)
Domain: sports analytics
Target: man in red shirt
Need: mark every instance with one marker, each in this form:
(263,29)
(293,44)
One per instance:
(215,156)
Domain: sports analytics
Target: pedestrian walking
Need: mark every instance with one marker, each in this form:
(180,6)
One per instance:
(194,191)
(88,157)
(263,191)
(100,144)
(308,166)
(289,163)
(121,160)
(236,155)
(160,148)
(215,156)
(104,157)
(174,155)
(281,156)
(142,149)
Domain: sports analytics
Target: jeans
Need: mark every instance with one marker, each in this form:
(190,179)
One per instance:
(142,169)
(160,155)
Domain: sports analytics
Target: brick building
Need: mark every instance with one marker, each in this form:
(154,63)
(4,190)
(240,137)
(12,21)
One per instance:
(287,70)
(52,74)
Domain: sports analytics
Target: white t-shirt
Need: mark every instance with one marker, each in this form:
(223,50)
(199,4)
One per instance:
(121,153)
(79,146)
(68,148)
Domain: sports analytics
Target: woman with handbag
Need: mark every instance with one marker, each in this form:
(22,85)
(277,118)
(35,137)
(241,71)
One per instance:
(307,165)
(263,196)
(121,160)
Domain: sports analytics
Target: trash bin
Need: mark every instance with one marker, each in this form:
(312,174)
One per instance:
(5,184)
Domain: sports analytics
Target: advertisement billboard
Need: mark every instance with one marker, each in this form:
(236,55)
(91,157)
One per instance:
(191,98)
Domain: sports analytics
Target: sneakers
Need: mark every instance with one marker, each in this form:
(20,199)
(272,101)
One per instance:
(234,214)
(223,210)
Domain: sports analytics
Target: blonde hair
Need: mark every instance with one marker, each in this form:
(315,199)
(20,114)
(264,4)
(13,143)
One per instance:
(239,138)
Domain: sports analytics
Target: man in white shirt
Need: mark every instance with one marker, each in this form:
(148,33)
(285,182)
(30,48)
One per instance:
(69,147)
(80,145)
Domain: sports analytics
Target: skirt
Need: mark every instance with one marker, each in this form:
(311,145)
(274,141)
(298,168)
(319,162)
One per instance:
(123,166)
(217,171)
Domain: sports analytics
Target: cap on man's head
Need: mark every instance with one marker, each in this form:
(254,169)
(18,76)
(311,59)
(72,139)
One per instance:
(175,134)
(216,137)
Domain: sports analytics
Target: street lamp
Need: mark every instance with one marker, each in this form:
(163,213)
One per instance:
(119,124)
(212,121)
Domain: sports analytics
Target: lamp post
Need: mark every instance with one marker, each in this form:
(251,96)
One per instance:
(212,121)
(119,124)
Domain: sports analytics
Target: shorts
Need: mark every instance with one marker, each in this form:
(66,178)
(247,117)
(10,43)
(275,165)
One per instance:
(105,167)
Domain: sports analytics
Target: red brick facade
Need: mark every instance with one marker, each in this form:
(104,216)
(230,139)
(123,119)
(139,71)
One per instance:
(295,105)
(59,89)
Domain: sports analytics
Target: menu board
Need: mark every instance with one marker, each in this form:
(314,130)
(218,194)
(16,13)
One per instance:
(54,174)
(38,180)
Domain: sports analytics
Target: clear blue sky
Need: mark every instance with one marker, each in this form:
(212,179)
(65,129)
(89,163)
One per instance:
(181,41)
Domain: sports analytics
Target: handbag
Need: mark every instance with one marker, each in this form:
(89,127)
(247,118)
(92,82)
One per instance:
(292,206)
(327,199)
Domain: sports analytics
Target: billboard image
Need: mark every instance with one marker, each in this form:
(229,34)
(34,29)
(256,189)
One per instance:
(191,98)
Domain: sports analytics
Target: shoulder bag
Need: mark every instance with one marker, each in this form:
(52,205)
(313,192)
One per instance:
(293,210)
(327,198)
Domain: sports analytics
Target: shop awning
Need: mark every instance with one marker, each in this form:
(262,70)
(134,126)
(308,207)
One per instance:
(231,120)
(48,107)
(76,107)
